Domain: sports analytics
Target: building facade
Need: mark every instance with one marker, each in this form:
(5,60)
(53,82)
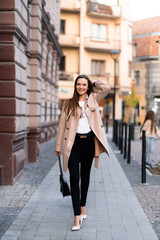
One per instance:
(96,38)
(146,66)
(29,65)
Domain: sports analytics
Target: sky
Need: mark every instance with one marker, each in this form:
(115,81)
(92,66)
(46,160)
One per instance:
(144,9)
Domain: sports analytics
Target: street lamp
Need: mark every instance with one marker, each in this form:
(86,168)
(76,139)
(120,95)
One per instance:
(107,104)
(114,54)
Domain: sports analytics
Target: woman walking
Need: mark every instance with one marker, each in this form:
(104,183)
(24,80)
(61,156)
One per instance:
(81,137)
(151,129)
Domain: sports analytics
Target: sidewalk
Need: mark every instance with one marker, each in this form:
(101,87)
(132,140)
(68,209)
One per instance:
(114,212)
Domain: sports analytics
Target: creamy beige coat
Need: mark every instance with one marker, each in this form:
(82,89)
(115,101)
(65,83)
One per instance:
(68,125)
(147,128)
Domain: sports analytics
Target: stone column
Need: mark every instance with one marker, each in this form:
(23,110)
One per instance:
(13,64)
(34,86)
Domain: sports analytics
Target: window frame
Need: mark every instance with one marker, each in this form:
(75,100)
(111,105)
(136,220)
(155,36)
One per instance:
(64,26)
(97,67)
(62,65)
(137,83)
(97,38)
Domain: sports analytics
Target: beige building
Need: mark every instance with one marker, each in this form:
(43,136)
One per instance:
(146,66)
(29,65)
(91,35)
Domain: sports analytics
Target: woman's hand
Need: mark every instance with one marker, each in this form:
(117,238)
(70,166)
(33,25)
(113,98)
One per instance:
(58,153)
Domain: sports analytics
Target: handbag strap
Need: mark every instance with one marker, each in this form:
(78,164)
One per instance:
(60,166)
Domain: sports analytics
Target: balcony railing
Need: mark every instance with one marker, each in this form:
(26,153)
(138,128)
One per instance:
(70,6)
(97,9)
(69,40)
(97,44)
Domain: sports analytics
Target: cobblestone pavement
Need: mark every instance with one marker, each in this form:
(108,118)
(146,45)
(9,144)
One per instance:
(136,151)
(148,194)
(13,198)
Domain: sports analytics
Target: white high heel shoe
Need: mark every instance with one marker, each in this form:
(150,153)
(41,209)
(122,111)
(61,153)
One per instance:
(76,228)
(84,216)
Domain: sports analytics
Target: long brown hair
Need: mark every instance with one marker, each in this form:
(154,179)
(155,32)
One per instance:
(72,104)
(150,116)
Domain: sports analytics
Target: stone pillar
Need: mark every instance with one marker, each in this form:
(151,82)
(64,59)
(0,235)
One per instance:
(34,76)
(13,61)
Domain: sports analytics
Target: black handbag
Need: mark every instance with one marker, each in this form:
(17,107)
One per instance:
(64,188)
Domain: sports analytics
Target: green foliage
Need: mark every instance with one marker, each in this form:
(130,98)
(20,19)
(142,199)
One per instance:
(131,100)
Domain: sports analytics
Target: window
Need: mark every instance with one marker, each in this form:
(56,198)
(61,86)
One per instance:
(129,34)
(138,109)
(97,68)
(62,64)
(135,50)
(45,110)
(62,26)
(137,77)
(99,32)
(50,111)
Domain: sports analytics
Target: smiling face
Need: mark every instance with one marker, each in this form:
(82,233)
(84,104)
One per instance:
(82,87)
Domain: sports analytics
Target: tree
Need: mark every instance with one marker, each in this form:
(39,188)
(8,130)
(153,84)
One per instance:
(131,102)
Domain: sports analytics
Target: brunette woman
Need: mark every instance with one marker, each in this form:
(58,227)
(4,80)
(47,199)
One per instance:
(81,137)
(151,129)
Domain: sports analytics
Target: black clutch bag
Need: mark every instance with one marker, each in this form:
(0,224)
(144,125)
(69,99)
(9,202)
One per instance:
(64,188)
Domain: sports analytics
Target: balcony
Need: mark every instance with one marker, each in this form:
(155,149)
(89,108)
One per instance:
(101,46)
(70,6)
(101,10)
(69,40)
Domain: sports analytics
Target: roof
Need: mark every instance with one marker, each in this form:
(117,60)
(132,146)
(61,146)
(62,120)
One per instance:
(146,26)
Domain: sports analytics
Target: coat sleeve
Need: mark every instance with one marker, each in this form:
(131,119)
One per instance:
(61,130)
(100,89)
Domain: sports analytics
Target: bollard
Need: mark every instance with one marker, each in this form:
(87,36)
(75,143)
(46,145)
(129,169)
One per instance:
(121,147)
(116,131)
(129,145)
(119,135)
(125,141)
(113,131)
(132,131)
(143,156)
(106,124)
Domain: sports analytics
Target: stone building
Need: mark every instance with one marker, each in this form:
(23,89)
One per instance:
(146,65)
(29,62)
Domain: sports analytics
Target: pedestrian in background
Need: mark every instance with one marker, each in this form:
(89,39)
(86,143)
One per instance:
(81,137)
(151,129)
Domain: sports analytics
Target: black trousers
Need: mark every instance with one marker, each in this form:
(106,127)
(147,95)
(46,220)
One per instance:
(82,152)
